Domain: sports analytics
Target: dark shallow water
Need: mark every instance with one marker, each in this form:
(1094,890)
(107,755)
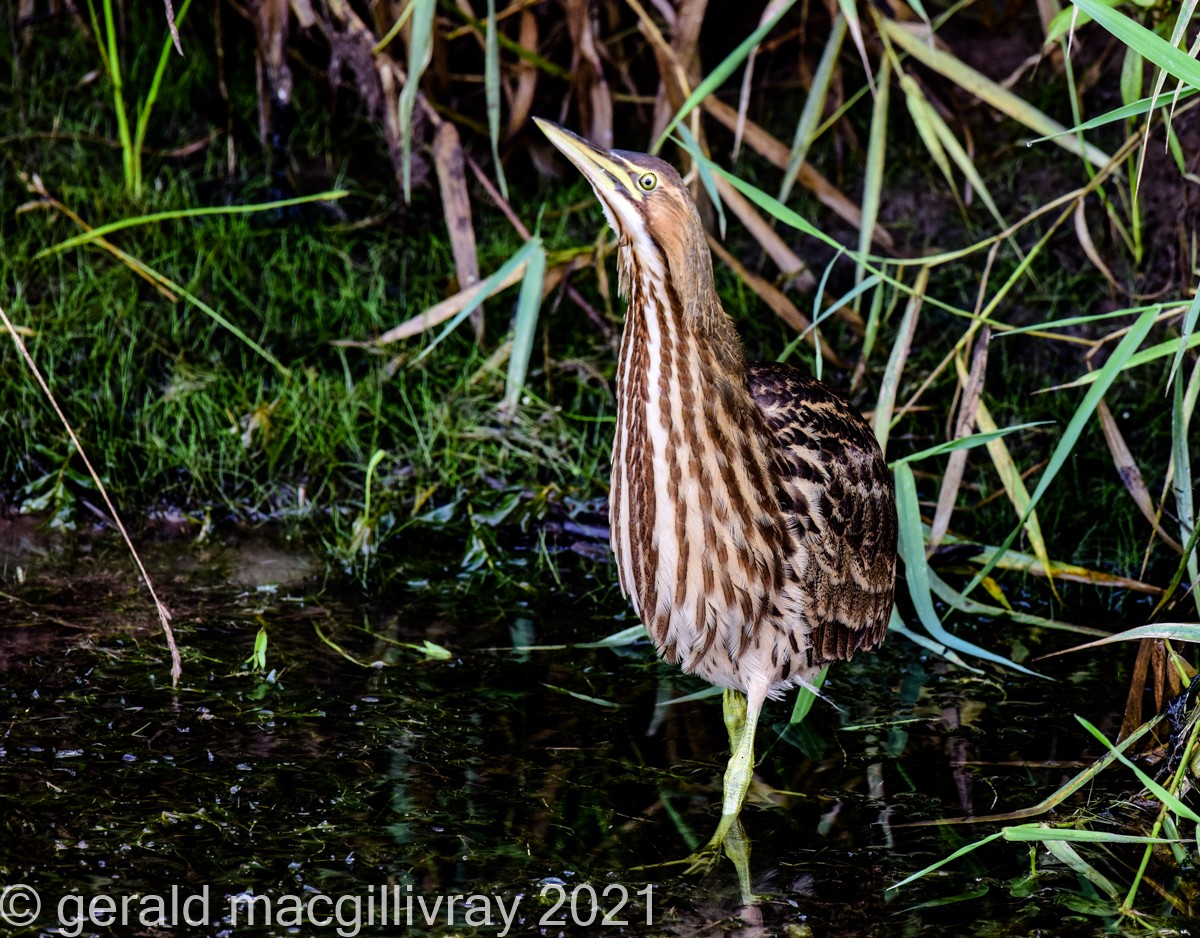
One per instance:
(342,792)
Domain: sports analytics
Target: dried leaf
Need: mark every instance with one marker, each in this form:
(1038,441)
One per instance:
(777,300)
(814,107)
(890,384)
(420,52)
(685,40)
(776,152)
(1010,478)
(917,42)
(591,89)
(788,262)
(452,306)
(492,90)
(1089,247)
(527,76)
(456,209)
(972,388)
(1131,475)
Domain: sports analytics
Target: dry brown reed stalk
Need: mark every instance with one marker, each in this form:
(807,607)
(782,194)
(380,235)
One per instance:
(456,208)
(1131,476)
(164,614)
(972,388)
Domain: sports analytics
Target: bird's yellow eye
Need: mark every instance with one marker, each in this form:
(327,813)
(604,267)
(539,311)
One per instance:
(647,181)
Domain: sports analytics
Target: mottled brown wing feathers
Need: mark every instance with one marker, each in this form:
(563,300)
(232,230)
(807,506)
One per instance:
(839,490)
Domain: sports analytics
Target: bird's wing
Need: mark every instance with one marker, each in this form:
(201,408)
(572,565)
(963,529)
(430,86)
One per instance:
(839,490)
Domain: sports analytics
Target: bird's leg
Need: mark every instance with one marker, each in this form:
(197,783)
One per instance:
(737,848)
(735,716)
(741,719)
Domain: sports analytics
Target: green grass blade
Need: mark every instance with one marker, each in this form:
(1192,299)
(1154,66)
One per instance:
(598,701)
(1132,67)
(1186,329)
(818,303)
(969,442)
(846,299)
(960,852)
(97,32)
(1183,405)
(1151,46)
(718,76)
(1075,428)
(102,231)
(706,176)
(952,597)
(491,86)
(873,177)
(871,334)
(420,53)
(1068,321)
(1137,108)
(143,115)
(773,206)
(112,61)
(896,624)
(1144,357)
(814,106)
(394,31)
(487,287)
(634,635)
(155,277)
(688,698)
(849,10)
(988,91)
(1070,856)
(922,115)
(1012,480)
(1173,803)
(912,551)
(1037,833)
(529,300)
(966,166)
(1065,22)
(1171,631)
(893,371)
(630,636)
(806,696)
(1180,570)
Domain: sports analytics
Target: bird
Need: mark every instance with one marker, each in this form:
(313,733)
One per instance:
(752,514)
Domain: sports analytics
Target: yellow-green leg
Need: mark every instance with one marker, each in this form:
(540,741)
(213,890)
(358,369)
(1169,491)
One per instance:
(737,848)
(741,720)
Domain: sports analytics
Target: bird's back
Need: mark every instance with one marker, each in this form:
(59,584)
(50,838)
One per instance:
(836,486)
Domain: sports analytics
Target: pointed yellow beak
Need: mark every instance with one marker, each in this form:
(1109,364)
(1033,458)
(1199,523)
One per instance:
(609,175)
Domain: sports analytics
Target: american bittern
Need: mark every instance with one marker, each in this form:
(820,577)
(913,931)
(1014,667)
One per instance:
(753,517)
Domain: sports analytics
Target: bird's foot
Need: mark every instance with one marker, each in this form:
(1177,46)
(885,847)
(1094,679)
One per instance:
(729,835)
(702,861)
(699,862)
(731,839)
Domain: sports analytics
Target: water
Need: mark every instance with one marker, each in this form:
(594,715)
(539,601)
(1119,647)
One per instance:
(362,793)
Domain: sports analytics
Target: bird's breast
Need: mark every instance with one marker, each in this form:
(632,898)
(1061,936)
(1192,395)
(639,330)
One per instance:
(704,552)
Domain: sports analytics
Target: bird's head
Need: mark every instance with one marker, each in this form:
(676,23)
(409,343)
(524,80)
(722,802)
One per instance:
(649,207)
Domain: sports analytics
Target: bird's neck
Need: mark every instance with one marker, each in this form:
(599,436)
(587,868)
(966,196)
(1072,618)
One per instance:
(681,287)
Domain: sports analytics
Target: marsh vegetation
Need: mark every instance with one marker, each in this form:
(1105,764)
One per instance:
(314,291)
